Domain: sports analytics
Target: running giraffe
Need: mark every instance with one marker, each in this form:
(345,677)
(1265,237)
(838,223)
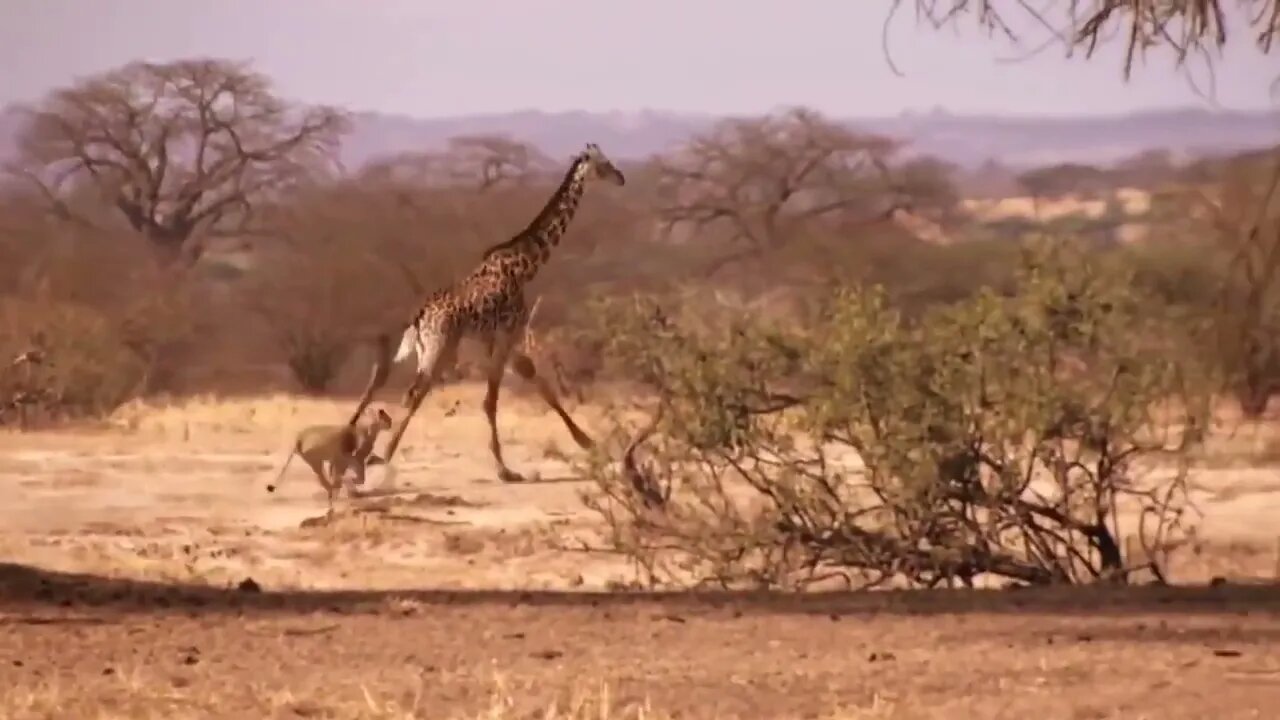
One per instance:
(488,305)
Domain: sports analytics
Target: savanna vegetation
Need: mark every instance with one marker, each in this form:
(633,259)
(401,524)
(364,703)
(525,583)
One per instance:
(843,370)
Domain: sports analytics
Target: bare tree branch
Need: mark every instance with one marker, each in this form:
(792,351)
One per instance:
(764,179)
(747,172)
(181,150)
(1186,27)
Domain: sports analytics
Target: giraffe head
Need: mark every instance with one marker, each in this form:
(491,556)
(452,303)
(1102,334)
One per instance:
(597,162)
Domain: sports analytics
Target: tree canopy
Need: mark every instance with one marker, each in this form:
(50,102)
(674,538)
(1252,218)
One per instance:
(182,149)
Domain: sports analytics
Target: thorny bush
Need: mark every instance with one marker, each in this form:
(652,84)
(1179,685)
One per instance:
(1023,436)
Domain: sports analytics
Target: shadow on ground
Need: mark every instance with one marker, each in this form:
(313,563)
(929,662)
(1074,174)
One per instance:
(27,589)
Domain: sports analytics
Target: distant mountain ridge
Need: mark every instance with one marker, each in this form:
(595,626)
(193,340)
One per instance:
(968,140)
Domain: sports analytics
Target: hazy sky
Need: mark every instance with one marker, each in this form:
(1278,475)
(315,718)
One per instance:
(431,58)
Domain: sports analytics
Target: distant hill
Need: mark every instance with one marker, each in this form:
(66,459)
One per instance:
(967,140)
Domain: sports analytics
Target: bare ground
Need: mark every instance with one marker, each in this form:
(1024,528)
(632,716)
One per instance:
(451,595)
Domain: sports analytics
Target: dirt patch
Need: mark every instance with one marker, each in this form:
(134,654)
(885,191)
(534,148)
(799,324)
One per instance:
(336,623)
(503,655)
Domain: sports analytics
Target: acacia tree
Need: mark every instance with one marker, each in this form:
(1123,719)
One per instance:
(480,162)
(764,179)
(1186,27)
(181,150)
(484,161)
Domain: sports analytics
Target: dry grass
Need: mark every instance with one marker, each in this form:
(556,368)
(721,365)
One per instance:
(176,498)
(174,491)
(276,414)
(279,415)
(139,697)
(842,657)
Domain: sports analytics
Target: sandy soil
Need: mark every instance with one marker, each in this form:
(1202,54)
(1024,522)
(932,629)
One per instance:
(450,594)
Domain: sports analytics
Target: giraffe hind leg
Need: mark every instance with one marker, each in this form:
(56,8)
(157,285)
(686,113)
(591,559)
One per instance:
(525,368)
(439,350)
(377,376)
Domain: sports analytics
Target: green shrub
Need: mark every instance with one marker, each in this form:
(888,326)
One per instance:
(998,436)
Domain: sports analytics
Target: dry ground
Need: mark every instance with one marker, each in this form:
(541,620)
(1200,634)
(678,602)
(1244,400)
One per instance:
(450,595)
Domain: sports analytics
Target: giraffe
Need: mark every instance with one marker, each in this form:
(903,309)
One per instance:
(488,305)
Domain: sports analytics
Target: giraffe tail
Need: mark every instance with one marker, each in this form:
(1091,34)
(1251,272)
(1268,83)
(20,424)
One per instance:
(408,344)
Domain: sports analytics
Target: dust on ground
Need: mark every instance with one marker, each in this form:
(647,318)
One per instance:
(183,499)
(450,594)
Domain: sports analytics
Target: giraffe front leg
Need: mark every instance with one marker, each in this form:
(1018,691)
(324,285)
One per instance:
(497,366)
(377,377)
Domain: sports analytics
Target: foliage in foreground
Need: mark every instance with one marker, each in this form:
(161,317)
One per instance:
(1001,435)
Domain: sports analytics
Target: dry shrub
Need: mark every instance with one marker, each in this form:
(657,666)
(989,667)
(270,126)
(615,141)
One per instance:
(314,308)
(90,370)
(1003,436)
(111,323)
(345,266)
(340,269)
(1218,258)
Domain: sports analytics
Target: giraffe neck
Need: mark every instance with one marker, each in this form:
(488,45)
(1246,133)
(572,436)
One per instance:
(550,223)
(535,242)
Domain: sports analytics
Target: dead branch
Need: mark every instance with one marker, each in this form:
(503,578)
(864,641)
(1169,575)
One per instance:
(641,479)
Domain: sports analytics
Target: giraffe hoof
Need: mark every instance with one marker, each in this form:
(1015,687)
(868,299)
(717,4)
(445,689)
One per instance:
(510,476)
